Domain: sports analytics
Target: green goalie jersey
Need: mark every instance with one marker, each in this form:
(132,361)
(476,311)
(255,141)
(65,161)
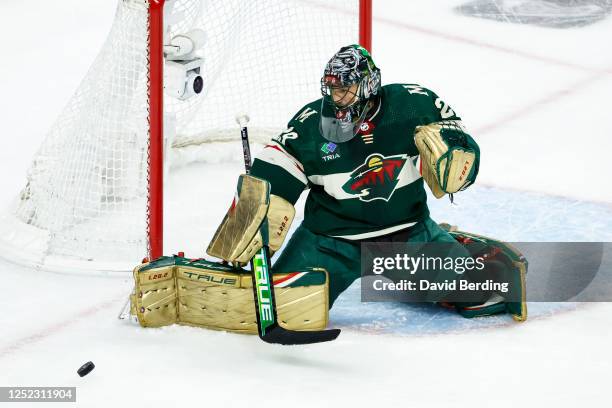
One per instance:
(366,187)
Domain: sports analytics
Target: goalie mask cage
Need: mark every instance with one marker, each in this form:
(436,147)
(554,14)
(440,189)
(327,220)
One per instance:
(94,194)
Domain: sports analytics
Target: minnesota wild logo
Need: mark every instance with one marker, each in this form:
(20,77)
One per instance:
(376,178)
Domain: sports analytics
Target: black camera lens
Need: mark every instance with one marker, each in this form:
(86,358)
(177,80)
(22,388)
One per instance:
(198,84)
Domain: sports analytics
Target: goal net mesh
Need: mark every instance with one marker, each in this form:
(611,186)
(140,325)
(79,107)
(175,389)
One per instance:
(85,202)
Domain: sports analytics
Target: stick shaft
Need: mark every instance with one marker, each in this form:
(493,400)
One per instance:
(263,285)
(246,149)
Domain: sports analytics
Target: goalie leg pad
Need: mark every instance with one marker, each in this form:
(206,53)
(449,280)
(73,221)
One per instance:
(215,296)
(511,266)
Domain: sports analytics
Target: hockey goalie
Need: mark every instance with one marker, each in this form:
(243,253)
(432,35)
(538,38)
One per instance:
(364,152)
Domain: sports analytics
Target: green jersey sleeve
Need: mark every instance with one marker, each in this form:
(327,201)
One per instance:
(280,162)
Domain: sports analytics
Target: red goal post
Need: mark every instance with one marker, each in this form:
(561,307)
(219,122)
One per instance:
(155,211)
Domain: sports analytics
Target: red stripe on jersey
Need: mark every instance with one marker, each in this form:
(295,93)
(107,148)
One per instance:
(289,276)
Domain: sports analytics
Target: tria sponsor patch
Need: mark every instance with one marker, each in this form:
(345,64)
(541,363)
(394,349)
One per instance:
(329,151)
(376,178)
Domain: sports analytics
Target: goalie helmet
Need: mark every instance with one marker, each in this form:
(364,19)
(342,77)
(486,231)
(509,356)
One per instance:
(350,86)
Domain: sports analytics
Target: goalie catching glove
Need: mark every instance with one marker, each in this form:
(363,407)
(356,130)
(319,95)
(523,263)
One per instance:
(449,161)
(254,219)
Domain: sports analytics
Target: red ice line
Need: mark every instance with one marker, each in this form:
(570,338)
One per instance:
(56,328)
(482,44)
(465,40)
(555,96)
(546,100)
(597,74)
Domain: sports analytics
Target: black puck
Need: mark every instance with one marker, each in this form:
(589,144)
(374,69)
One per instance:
(85,369)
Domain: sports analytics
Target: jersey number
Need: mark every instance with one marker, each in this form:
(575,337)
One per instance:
(445,110)
(287,134)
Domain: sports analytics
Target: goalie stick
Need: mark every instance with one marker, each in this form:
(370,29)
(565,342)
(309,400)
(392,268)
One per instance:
(265,306)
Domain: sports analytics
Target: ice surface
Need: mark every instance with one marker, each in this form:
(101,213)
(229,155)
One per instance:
(525,216)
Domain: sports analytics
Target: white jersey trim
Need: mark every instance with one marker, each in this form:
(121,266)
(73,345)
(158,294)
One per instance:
(276,155)
(376,233)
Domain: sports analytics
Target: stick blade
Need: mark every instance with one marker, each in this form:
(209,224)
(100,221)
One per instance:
(278,335)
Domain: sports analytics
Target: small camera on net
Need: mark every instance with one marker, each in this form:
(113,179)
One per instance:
(182,79)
